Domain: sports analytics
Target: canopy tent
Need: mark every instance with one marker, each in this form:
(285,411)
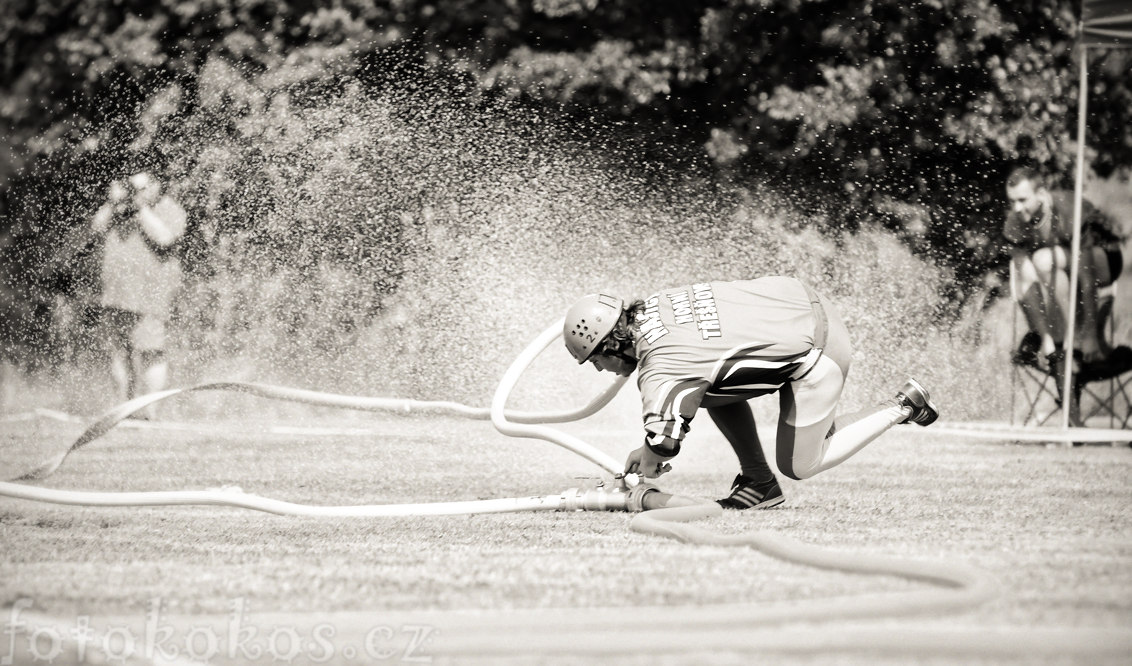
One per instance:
(1104,24)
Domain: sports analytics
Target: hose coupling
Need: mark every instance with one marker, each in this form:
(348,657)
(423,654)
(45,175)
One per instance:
(635,500)
(593,499)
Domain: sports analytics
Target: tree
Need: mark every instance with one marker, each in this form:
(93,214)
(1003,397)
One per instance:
(906,113)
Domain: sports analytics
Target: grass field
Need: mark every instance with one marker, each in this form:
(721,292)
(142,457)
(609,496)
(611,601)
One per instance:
(1049,524)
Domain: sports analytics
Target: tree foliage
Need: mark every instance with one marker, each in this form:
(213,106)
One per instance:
(906,112)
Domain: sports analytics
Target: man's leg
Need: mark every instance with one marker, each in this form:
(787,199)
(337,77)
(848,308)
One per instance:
(737,424)
(810,439)
(123,371)
(1095,274)
(1052,266)
(118,326)
(155,371)
(755,487)
(1030,298)
(804,451)
(149,337)
(1042,288)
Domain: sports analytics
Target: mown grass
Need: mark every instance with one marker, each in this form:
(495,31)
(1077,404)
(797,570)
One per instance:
(1049,524)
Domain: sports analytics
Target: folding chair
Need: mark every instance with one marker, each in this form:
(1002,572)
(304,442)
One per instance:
(1098,391)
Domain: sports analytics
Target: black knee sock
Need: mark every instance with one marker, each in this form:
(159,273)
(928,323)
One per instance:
(753,465)
(738,426)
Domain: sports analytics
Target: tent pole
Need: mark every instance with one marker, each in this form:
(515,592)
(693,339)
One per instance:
(1074,254)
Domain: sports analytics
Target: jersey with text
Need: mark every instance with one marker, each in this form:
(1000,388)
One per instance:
(716,342)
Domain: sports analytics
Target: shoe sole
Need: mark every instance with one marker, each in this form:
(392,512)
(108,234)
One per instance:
(761,505)
(927,403)
(769,503)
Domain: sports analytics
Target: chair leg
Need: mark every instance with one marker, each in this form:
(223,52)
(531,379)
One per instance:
(1036,385)
(1116,404)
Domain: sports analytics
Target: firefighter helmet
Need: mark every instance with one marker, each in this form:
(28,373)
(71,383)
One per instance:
(588,322)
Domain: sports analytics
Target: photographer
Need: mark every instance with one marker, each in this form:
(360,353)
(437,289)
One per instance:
(140,275)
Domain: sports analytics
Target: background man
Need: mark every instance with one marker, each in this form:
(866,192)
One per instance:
(1039,229)
(716,345)
(139,277)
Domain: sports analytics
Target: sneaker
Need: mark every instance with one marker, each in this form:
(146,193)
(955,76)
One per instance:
(746,495)
(913,395)
(1027,352)
(1057,360)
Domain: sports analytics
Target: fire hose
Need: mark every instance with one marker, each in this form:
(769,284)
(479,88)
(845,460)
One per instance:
(658,513)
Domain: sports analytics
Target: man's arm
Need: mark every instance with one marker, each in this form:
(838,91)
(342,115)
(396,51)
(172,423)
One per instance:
(103,218)
(1097,228)
(648,463)
(669,406)
(164,222)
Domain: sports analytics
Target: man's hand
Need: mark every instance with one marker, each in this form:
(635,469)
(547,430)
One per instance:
(646,463)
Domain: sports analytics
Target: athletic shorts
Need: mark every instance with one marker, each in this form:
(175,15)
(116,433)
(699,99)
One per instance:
(1115,262)
(134,330)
